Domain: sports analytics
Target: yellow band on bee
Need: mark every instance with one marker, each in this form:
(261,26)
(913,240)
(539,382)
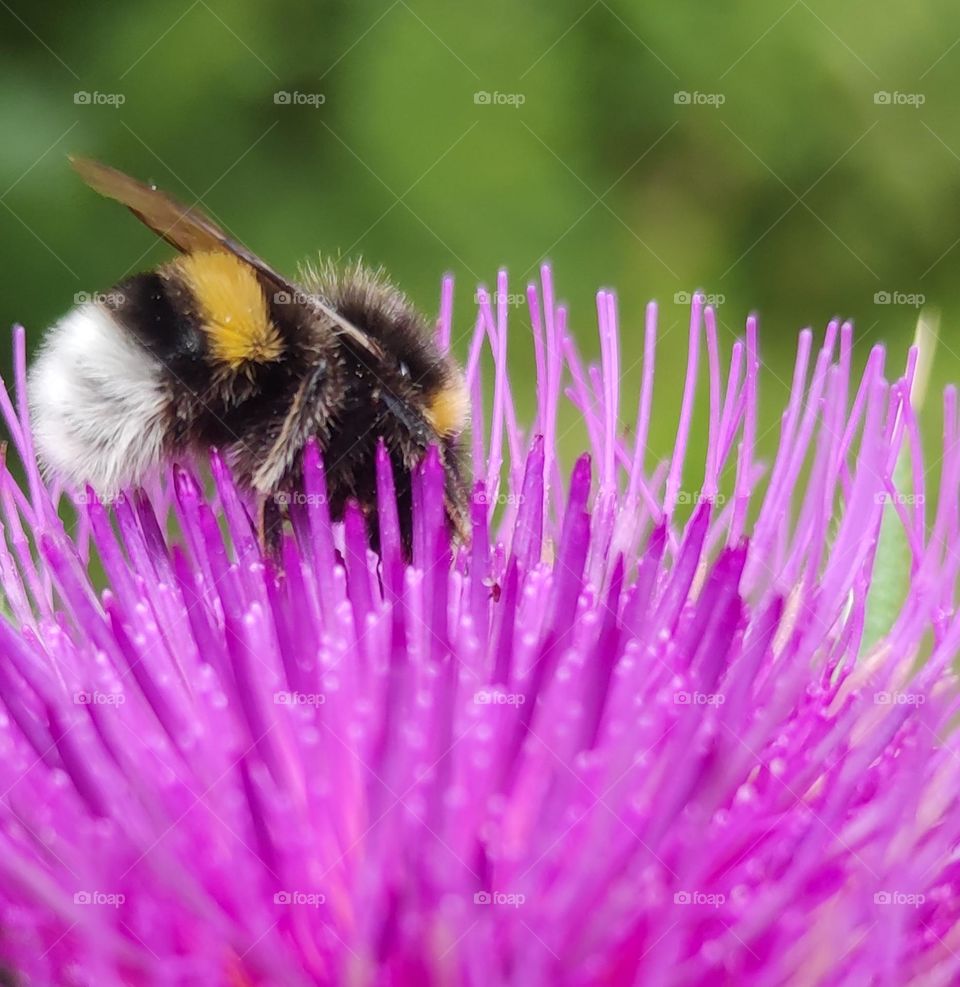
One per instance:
(233,307)
(448,409)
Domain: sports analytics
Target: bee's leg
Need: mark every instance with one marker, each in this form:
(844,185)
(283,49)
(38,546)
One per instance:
(270,518)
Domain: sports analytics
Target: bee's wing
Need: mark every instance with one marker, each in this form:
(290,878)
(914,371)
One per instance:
(186,229)
(190,230)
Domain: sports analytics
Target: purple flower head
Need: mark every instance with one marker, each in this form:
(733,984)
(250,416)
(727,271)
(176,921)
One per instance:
(657,723)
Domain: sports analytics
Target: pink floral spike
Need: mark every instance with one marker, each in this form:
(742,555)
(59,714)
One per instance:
(635,732)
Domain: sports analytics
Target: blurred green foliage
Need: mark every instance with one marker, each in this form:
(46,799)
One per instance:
(787,183)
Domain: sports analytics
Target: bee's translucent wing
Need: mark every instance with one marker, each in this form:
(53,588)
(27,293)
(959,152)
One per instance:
(190,230)
(185,228)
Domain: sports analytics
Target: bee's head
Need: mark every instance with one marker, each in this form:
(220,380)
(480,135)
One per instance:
(424,403)
(409,393)
(417,400)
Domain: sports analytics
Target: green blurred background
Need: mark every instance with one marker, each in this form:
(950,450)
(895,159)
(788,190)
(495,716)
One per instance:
(799,159)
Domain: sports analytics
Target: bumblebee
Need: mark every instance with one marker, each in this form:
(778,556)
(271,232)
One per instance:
(215,349)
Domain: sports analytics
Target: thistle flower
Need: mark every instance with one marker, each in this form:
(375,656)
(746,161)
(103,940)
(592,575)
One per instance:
(612,741)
